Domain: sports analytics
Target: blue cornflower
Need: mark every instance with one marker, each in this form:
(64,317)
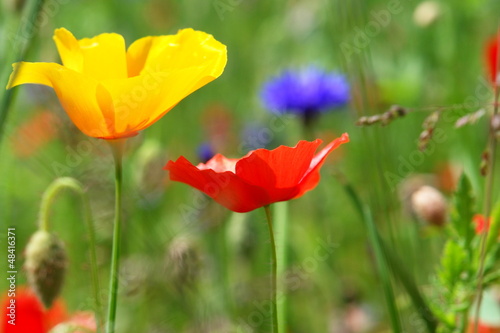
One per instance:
(205,152)
(307,92)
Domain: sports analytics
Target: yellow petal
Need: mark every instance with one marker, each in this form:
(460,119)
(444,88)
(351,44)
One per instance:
(78,96)
(140,101)
(31,72)
(69,49)
(104,57)
(76,92)
(137,53)
(146,48)
(185,49)
(191,48)
(105,102)
(170,68)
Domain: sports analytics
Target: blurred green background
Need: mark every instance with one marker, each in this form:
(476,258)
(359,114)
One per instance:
(189,265)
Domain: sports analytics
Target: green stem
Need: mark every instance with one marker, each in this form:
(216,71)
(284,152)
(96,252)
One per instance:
(281,218)
(398,269)
(411,288)
(116,147)
(274,312)
(488,199)
(383,269)
(380,256)
(47,201)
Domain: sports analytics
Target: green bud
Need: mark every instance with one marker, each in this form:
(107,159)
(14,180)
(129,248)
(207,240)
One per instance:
(45,265)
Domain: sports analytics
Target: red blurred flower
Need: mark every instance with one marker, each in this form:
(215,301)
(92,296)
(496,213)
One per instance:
(33,134)
(29,314)
(482,328)
(258,179)
(481,223)
(492,58)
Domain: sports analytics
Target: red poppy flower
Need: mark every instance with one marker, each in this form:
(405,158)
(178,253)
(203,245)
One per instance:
(483,328)
(33,134)
(481,224)
(29,314)
(258,179)
(492,58)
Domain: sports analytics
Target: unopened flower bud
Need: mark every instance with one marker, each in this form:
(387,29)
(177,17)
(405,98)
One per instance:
(14,5)
(45,265)
(426,13)
(430,205)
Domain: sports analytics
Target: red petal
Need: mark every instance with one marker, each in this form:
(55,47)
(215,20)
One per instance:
(29,313)
(281,168)
(312,176)
(225,187)
(481,223)
(482,328)
(492,58)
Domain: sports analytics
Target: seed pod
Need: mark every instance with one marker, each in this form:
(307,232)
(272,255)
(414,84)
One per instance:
(45,265)
(429,205)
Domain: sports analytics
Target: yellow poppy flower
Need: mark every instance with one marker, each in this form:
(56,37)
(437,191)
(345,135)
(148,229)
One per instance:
(111,92)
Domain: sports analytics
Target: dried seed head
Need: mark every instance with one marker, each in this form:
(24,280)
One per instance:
(183,261)
(470,119)
(424,139)
(485,162)
(429,125)
(134,273)
(431,121)
(429,205)
(45,265)
(397,111)
(385,118)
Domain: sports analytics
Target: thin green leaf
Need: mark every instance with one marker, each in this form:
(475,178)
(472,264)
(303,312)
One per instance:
(463,211)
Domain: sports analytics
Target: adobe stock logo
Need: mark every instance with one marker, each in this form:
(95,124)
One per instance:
(361,38)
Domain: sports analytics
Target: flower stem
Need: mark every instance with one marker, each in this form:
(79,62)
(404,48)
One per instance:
(274,266)
(43,219)
(383,263)
(488,198)
(116,147)
(281,218)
